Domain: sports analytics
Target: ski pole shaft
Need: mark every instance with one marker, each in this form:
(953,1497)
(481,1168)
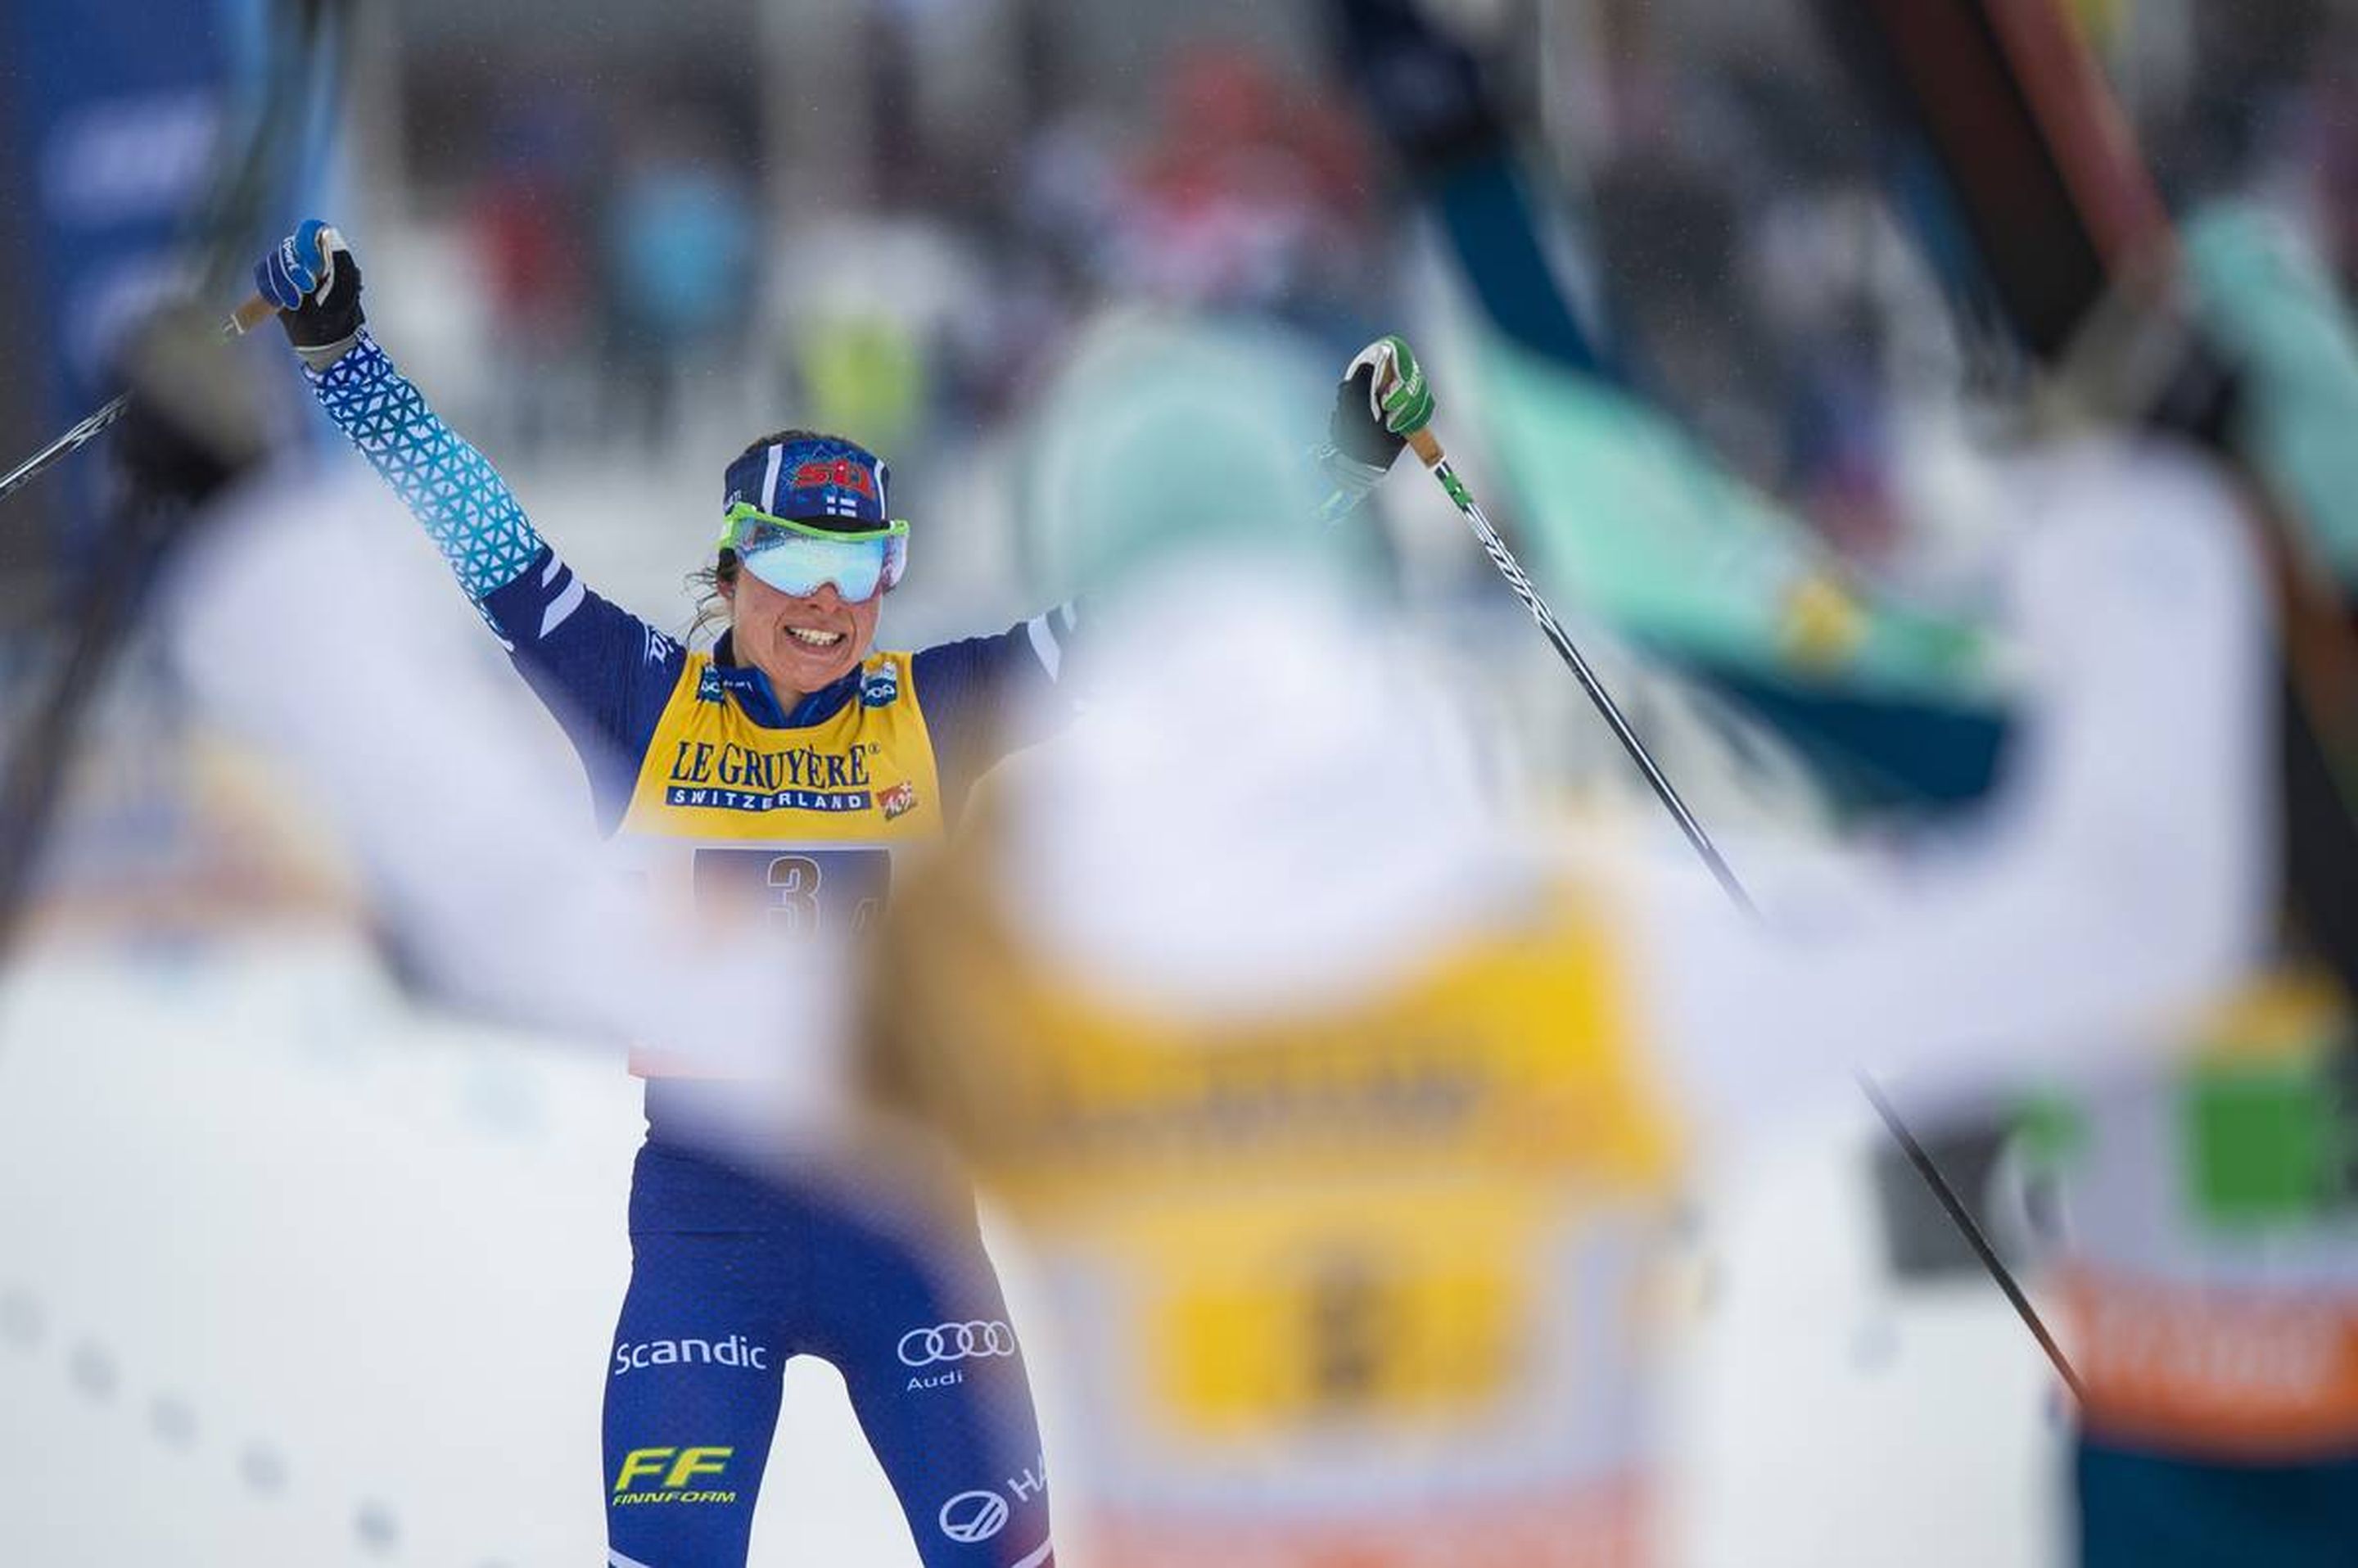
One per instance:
(241,321)
(1970,1229)
(74,440)
(1427,446)
(1428,450)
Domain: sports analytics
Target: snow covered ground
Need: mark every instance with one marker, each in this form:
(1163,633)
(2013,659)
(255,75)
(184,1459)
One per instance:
(293,1273)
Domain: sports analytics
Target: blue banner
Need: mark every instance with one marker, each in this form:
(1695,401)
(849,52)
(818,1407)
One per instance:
(119,108)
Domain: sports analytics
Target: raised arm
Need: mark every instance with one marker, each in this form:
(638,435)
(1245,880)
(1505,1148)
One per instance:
(2121,882)
(450,487)
(604,672)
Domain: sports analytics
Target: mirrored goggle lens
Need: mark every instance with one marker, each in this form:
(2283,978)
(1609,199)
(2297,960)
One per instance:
(798,563)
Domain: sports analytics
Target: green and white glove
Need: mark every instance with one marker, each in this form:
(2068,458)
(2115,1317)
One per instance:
(1381,403)
(1383,400)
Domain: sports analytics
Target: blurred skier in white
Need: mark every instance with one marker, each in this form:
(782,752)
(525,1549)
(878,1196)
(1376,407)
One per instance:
(1344,1112)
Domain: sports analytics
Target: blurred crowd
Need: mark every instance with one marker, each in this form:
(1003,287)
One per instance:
(646,261)
(630,259)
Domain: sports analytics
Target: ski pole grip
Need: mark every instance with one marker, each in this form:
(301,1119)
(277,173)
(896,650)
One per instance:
(256,309)
(250,314)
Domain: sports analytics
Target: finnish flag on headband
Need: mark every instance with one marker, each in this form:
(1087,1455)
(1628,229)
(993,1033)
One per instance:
(817,479)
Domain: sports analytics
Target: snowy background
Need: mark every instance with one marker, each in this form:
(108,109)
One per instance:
(297,1275)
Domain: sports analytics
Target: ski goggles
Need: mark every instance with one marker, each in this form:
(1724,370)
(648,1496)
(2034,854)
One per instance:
(797,557)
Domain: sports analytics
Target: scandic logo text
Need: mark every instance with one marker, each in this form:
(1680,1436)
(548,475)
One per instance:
(734,1351)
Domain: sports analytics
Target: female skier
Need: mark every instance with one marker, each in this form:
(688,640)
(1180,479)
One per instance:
(782,770)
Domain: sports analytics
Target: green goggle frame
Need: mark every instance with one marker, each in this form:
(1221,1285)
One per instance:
(745,518)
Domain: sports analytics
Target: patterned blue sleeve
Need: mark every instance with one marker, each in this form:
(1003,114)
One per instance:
(604,672)
(448,486)
(988,697)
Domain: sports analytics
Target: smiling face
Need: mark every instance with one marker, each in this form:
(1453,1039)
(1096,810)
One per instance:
(804,642)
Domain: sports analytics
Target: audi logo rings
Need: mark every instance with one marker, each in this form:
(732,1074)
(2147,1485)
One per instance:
(956,1342)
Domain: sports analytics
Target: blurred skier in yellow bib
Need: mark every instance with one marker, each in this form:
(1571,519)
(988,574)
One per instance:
(1346,1111)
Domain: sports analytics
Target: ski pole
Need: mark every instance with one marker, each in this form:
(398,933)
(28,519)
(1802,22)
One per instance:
(1428,449)
(241,321)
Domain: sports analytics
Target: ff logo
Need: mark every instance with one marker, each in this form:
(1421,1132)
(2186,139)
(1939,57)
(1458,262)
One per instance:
(954,1342)
(679,1467)
(974,1516)
(898,801)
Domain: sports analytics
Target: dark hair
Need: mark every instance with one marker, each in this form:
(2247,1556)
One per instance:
(779,438)
(707,581)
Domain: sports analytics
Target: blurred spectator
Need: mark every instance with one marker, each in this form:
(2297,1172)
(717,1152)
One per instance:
(530,224)
(677,275)
(1252,193)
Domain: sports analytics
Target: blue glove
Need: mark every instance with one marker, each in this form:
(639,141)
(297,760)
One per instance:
(311,278)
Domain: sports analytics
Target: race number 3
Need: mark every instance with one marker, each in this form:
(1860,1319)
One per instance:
(804,892)
(796,879)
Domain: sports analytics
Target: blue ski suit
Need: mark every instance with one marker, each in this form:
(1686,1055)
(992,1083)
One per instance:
(793,809)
